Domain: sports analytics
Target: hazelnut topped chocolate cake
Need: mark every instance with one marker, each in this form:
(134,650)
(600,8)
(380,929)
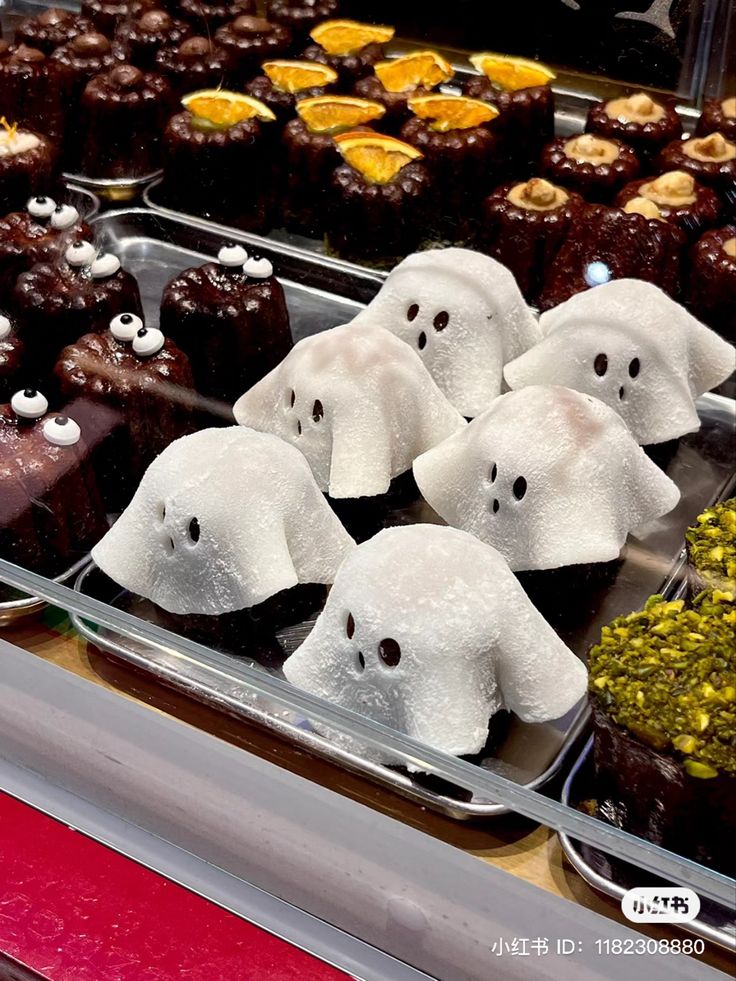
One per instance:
(51,28)
(85,56)
(594,167)
(248,41)
(710,159)
(195,64)
(645,123)
(142,39)
(718,116)
(680,199)
(230,318)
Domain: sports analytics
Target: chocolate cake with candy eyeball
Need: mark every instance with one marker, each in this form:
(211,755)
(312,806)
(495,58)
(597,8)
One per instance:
(230,318)
(663,694)
(51,512)
(28,165)
(11,356)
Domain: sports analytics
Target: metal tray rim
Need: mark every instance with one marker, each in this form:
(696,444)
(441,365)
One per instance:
(612,889)
(13,610)
(110,183)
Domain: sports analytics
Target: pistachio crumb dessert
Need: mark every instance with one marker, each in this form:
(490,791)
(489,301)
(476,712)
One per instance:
(663,693)
(711,548)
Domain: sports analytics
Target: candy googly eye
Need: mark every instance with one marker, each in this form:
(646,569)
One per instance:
(5,326)
(61,431)
(29,404)
(105,265)
(232,255)
(80,254)
(258,268)
(125,326)
(41,206)
(64,216)
(148,341)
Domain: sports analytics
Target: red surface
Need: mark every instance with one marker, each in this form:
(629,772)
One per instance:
(74,910)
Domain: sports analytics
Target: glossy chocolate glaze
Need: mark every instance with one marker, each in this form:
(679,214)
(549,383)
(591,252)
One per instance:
(718,174)
(234,329)
(693,218)
(206,16)
(714,120)
(23,175)
(248,41)
(279,102)
(599,182)
(348,67)
(33,89)
(143,38)
(711,292)
(300,16)
(195,64)
(51,28)
(309,160)
(396,103)
(647,139)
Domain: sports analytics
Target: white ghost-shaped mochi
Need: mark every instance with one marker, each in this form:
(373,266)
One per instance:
(427,630)
(222,520)
(630,345)
(464,315)
(357,402)
(548,476)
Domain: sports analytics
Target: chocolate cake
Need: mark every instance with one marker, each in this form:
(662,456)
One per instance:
(85,56)
(146,381)
(195,64)
(679,198)
(607,243)
(711,292)
(395,103)
(711,548)
(279,100)
(647,124)
(51,28)
(11,356)
(248,41)
(309,161)
(300,16)
(594,167)
(40,233)
(33,89)
(51,512)
(710,159)
(142,39)
(28,164)
(207,15)
(663,691)
(718,116)
(106,15)
(123,115)
(350,66)
(230,318)
(523,225)
(56,303)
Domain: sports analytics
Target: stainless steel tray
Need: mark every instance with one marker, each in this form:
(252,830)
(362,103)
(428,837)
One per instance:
(320,295)
(614,877)
(15,606)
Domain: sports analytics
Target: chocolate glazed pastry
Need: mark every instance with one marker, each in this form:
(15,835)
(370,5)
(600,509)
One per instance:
(679,199)
(32,89)
(523,226)
(146,381)
(51,28)
(378,222)
(248,41)
(595,168)
(11,356)
(230,318)
(300,16)
(638,120)
(57,303)
(349,67)
(396,103)
(280,102)
(206,16)
(607,243)
(309,160)
(195,64)
(710,159)
(711,293)
(107,14)
(27,166)
(220,174)
(718,116)
(526,120)
(465,165)
(82,58)
(40,233)
(123,113)
(142,39)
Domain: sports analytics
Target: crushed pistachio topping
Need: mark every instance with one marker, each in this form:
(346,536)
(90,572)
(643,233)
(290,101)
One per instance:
(668,675)
(711,545)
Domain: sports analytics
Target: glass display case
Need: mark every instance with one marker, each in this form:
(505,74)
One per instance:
(367,385)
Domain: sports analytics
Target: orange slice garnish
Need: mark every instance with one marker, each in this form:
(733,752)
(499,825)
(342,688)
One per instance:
(511,73)
(221,109)
(294,76)
(445,112)
(332,113)
(426,68)
(377,157)
(344,37)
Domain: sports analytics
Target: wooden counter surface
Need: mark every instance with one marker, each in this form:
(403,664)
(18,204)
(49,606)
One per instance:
(511,843)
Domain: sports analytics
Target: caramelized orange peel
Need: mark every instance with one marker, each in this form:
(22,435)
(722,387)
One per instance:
(337,113)
(418,68)
(378,157)
(346,37)
(446,112)
(220,109)
(511,73)
(295,76)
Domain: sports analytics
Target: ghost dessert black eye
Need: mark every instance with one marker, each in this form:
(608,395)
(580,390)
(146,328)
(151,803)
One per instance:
(441,320)
(412,312)
(494,472)
(600,365)
(519,488)
(317,411)
(634,368)
(350,626)
(194,531)
(422,341)
(390,652)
